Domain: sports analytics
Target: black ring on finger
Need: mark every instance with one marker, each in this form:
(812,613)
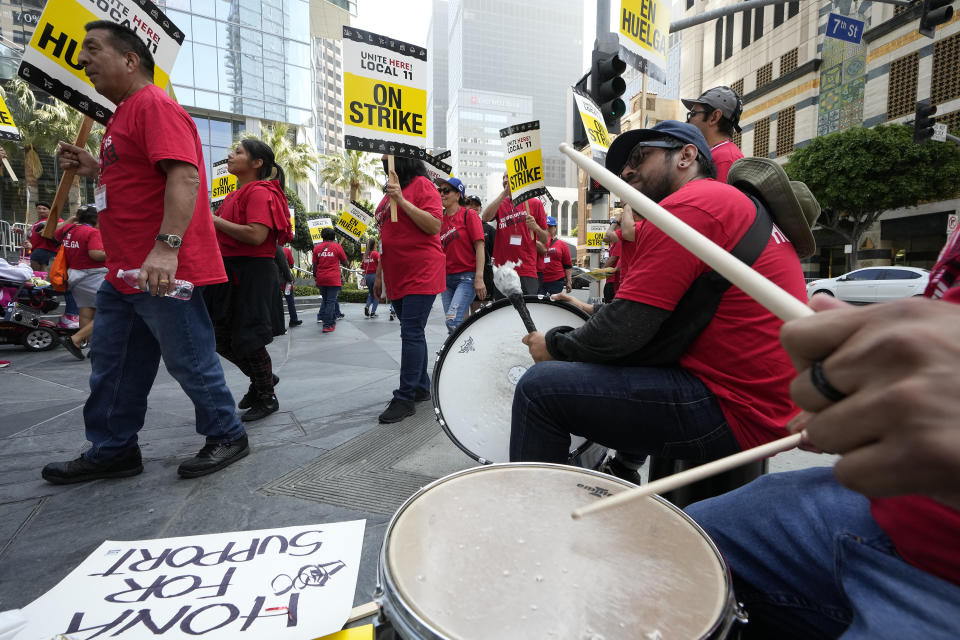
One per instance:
(821,384)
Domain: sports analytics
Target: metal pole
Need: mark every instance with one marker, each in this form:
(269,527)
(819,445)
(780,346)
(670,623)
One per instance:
(603,18)
(599,212)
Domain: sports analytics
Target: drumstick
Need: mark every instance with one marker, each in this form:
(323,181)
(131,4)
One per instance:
(678,480)
(776,300)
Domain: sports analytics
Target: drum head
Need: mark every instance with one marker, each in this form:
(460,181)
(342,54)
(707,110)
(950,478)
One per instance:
(477,371)
(492,552)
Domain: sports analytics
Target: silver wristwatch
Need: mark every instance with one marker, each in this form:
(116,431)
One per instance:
(172,240)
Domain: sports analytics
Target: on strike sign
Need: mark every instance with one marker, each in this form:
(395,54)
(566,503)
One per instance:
(51,63)
(524,158)
(384,94)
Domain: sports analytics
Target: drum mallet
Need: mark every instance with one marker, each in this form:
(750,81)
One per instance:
(773,298)
(508,282)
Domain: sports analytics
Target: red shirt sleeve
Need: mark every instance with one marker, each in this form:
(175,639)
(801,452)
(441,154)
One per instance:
(94,241)
(425,196)
(474,226)
(342,253)
(172,133)
(257,208)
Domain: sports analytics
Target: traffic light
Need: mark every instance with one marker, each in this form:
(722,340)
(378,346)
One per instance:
(923,122)
(606,85)
(934,13)
(595,191)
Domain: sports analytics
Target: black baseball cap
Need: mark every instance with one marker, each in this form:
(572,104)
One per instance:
(624,143)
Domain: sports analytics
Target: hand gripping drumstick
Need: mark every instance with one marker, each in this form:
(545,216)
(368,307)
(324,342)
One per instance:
(773,298)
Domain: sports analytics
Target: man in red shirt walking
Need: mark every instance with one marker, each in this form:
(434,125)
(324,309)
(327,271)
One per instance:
(517,234)
(155,217)
(328,256)
(717,113)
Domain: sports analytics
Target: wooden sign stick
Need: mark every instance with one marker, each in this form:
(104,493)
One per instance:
(393,203)
(526,207)
(63,189)
(6,165)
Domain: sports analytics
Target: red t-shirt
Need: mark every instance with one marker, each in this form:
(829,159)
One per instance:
(513,241)
(146,128)
(556,260)
(924,531)
(371,260)
(724,155)
(616,251)
(37,241)
(255,202)
(412,261)
(458,236)
(77,241)
(327,258)
(738,356)
(289,254)
(628,249)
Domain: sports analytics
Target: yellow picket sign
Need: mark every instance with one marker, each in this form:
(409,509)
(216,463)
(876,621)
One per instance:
(8,128)
(384,107)
(644,31)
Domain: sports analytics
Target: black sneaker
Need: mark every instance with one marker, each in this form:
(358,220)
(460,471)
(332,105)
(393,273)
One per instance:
(125,465)
(366,311)
(422,395)
(340,316)
(262,407)
(248,398)
(396,411)
(614,467)
(73,348)
(213,457)
(373,315)
(296,323)
(392,316)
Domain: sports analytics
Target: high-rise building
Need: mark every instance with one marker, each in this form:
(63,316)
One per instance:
(437,90)
(512,49)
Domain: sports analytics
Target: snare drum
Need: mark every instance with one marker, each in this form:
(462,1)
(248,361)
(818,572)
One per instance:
(492,552)
(477,371)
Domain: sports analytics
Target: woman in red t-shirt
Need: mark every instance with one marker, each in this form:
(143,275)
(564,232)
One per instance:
(371,259)
(412,267)
(84,255)
(328,257)
(462,239)
(247,310)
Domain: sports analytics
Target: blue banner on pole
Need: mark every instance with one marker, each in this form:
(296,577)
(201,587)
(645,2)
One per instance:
(845,28)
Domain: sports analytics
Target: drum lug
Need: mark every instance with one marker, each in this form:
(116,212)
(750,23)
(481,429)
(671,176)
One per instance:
(741,614)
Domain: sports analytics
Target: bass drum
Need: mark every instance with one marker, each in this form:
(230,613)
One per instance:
(477,371)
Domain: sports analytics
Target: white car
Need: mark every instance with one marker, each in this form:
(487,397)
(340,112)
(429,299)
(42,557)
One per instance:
(873,284)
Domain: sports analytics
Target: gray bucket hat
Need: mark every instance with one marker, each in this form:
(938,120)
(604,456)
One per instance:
(723,98)
(791,204)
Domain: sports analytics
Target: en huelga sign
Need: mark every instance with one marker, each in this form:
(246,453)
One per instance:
(50,60)
(644,33)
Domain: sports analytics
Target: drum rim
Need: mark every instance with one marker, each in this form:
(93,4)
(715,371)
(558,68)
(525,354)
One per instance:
(390,598)
(452,338)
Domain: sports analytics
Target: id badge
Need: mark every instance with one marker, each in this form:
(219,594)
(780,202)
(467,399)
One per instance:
(100,197)
(546,261)
(516,240)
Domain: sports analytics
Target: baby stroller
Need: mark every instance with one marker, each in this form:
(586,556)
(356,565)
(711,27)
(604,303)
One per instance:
(23,304)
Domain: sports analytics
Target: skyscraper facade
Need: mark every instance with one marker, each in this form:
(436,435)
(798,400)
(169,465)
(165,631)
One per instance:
(437,67)
(513,49)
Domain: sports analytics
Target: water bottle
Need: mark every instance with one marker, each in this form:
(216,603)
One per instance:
(181,290)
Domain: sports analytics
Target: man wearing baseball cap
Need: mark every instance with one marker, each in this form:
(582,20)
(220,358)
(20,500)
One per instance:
(711,393)
(717,113)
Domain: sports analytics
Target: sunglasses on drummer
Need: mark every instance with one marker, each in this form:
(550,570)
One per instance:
(635,159)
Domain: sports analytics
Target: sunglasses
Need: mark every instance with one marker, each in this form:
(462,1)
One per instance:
(691,114)
(635,159)
(445,190)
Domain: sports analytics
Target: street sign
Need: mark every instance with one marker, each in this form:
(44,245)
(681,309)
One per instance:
(844,28)
(939,132)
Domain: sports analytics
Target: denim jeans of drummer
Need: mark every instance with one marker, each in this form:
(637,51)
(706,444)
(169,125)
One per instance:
(372,301)
(639,411)
(329,307)
(132,333)
(809,561)
(457,298)
(413,311)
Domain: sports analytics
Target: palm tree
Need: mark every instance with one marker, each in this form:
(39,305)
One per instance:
(41,127)
(297,159)
(352,171)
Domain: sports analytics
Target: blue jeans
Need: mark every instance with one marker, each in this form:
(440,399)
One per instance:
(809,561)
(329,307)
(372,301)
(639,411)
(131,334)
(291,305)
(70,305)
(550,288)
(413,311)
(457,297)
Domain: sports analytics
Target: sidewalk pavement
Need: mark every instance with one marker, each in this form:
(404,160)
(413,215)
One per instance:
(322,458)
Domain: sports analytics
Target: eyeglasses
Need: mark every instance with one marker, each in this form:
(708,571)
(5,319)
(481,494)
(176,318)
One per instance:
(635,159)
(690,114)
(445,190)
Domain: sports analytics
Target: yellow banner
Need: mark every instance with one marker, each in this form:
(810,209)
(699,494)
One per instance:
(8,128)
(525,169)
(355,633)
(351,225)
(384,107)
(644,27)
(596,130)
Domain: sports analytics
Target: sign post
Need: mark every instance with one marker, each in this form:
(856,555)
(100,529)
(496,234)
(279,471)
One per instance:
(384,97)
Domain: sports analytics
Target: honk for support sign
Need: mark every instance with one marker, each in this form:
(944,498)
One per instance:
(51,58)
(644,32)
(521,145)
(384,94)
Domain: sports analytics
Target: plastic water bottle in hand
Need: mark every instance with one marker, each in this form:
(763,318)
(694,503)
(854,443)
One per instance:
(180,289)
